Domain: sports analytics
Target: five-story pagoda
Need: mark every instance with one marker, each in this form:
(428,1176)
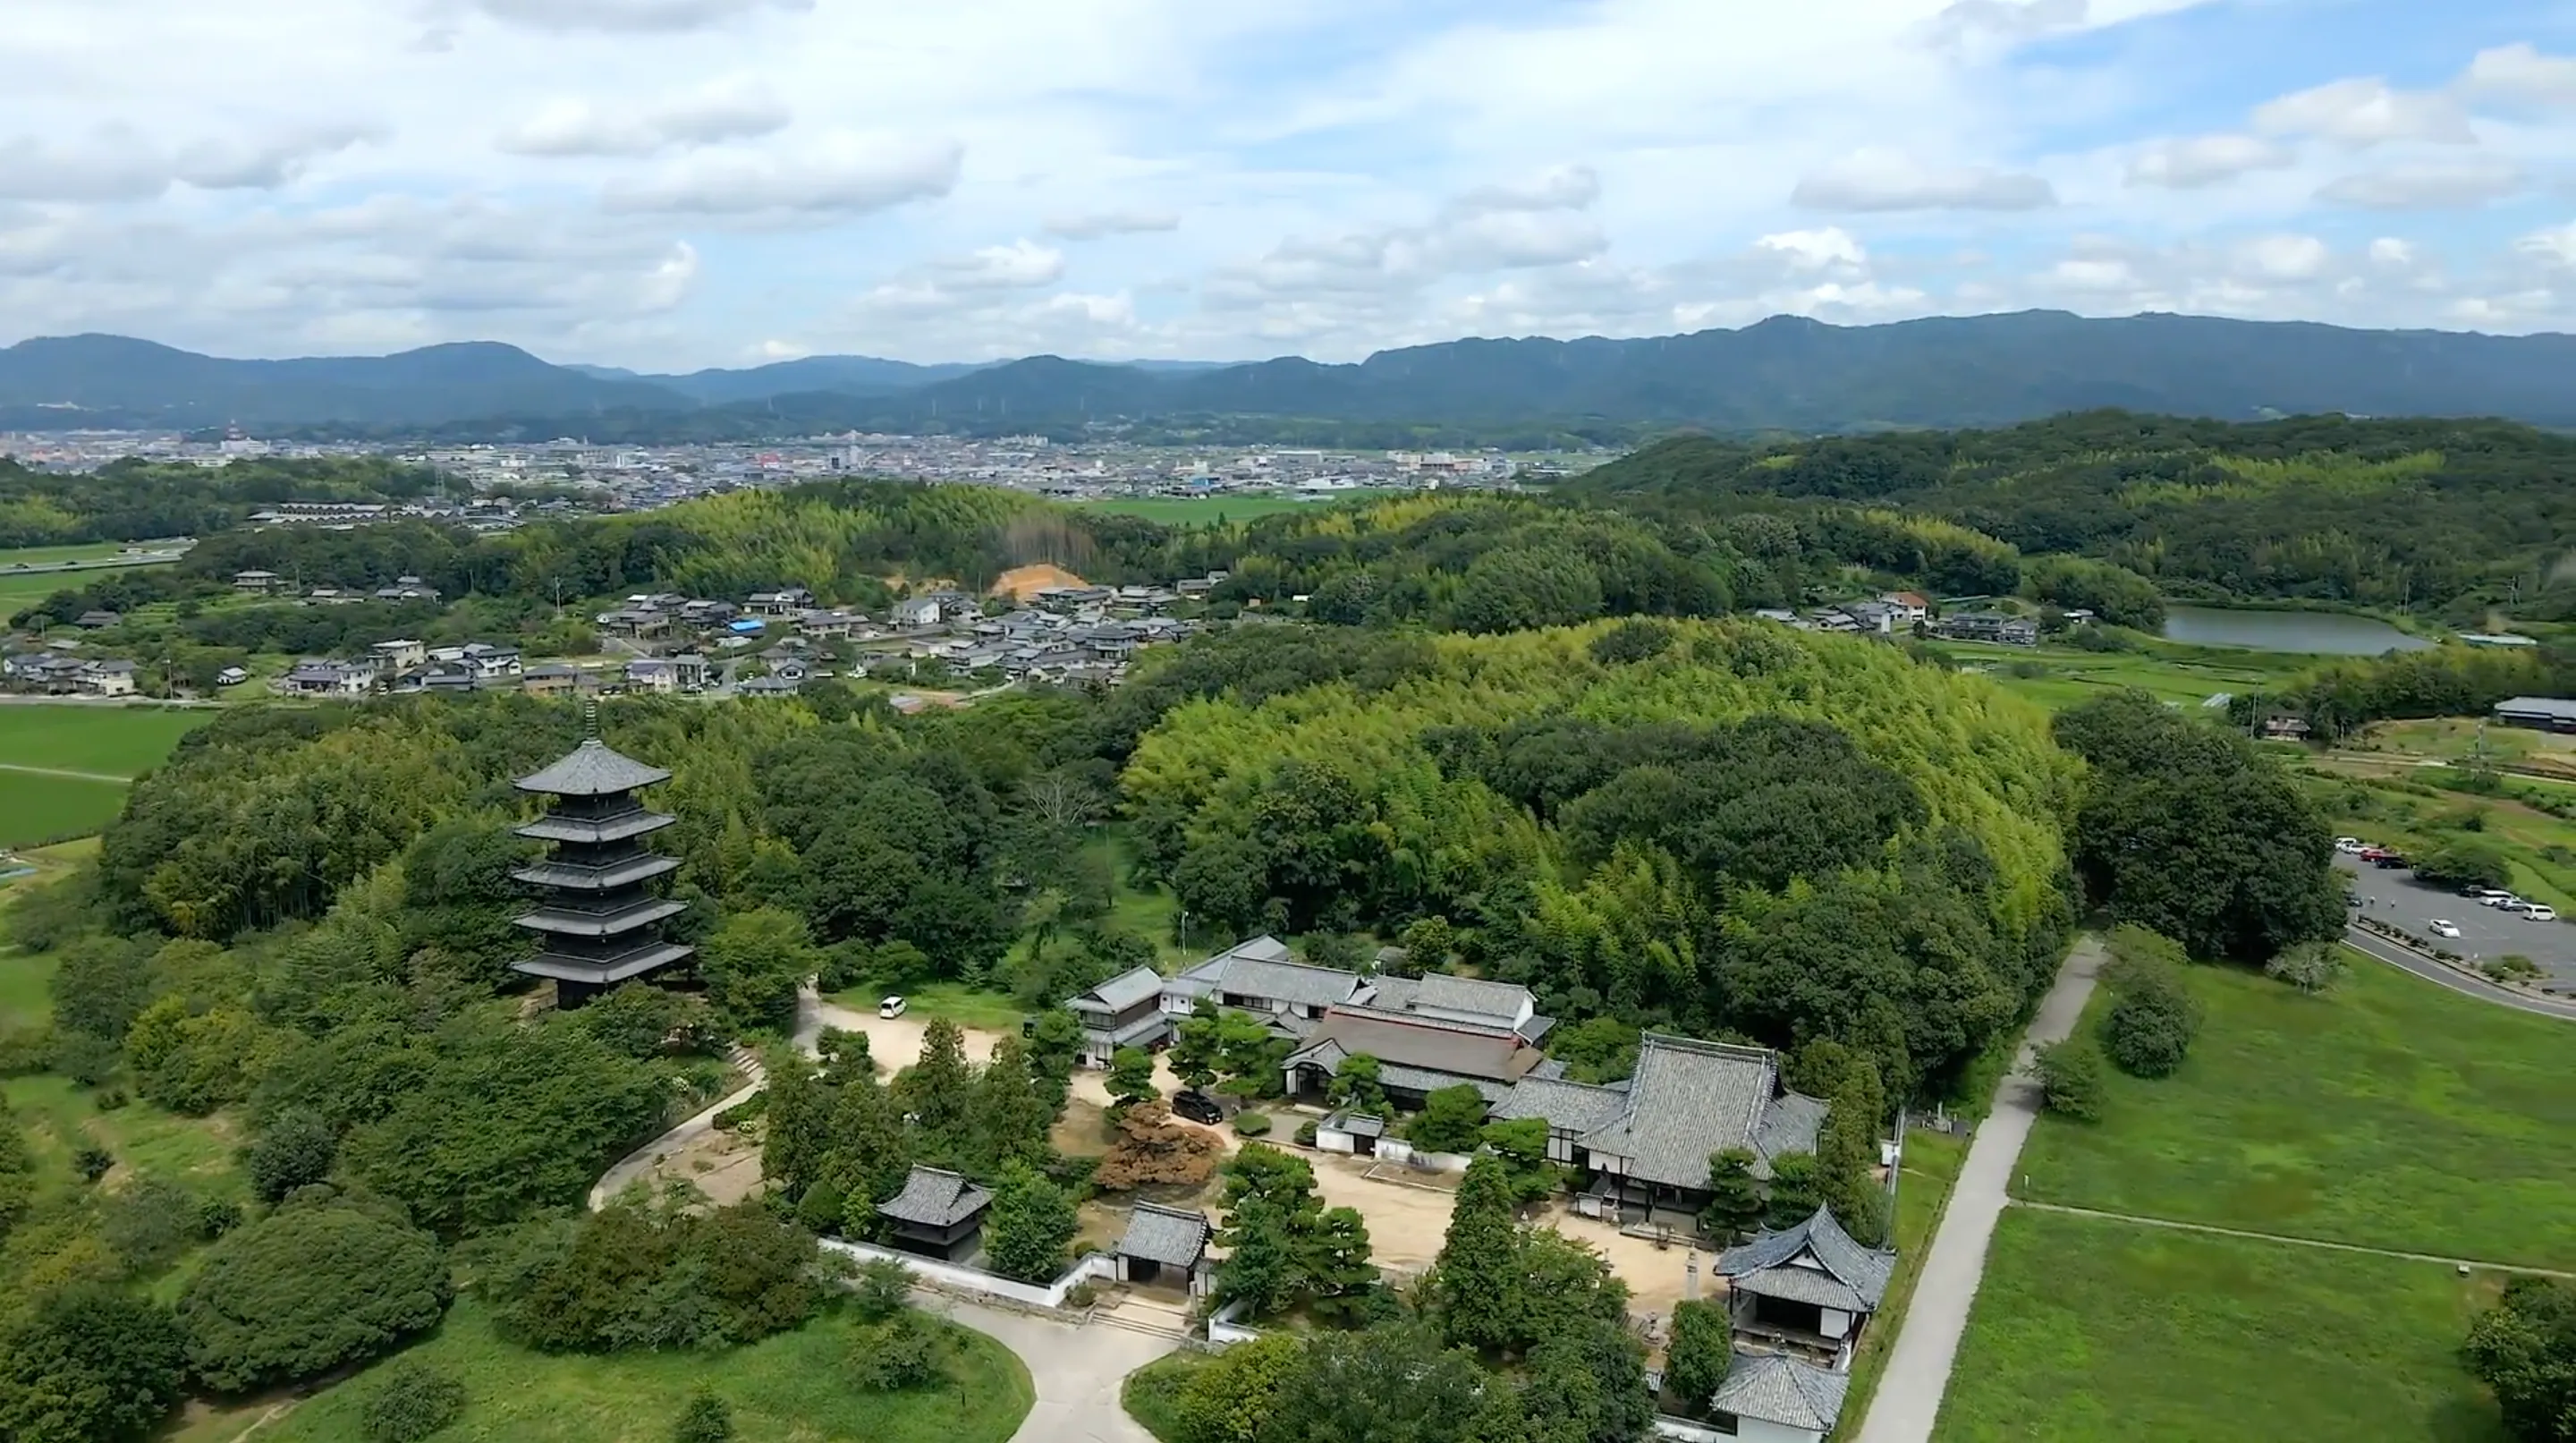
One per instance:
(599,924)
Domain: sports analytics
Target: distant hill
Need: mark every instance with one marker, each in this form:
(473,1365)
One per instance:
(1783,374)
(97,380)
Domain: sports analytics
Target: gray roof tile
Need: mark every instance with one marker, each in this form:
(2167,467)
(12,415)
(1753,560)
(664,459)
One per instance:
(1864,1270)
(1123,991)
(1688,1099)
(592,770)
(935,1198)
(1782,1390)
(1173,1237)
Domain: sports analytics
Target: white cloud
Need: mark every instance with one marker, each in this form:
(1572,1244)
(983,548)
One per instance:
(2556,246)
(2284,257)
(731,110)
(2519,72)
(2366,112)
(2390,251)
(2205,160)
(846,176)
(1092,225)
(1815,250)
(1016,266)
(1569,187)
(2006,20)
(2424,186)
(1883,180)
(629,15)
(2093,274)
(116,164)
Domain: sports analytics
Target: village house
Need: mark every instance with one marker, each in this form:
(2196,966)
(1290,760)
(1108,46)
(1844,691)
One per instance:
(1125,1011)
(787,601)
(96,620)
(553,678)
(319,676)
(399,657)
(2546,713)
(257,582)
(665,674)
(917,612)
(829,625)
(1910,608)
(407,588)
(1992,626)
(52,674)
(1259,977)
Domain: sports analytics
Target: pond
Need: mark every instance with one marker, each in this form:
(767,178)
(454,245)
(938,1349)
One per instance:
(2324,633)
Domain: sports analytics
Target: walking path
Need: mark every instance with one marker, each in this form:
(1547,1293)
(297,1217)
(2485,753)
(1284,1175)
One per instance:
(2370,944)
(2183,1227)
(60,772)
(1909,1394)
(1077,1369)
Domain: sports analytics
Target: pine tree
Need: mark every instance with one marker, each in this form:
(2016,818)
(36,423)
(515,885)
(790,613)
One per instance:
(936,1090)
(1261,1265)
(796,1128)
(1338,1273)
(1131,1075)
(1701,1352)
(1011,1118)
(1196,1048)
(1847,1157)
(871,1153)
(1475,1284)
(1735,1197)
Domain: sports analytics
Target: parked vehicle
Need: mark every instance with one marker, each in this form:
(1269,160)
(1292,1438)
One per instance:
(2538,912)
(2444,929)
(1197,1107)
(2389,860)
(2348,845)
(2373,854)
(2500,899)
(892,1007)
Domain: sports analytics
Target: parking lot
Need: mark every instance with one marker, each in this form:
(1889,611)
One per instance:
(2394,896)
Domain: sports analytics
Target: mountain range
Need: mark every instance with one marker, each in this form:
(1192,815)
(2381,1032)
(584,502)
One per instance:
(1785,373)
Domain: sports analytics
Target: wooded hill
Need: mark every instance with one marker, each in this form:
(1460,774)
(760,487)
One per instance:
(2449,516)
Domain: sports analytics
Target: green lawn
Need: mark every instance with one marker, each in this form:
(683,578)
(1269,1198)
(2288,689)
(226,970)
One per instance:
(113,741)
(1931,1166)
(2087,1331)
(23,982)
(785,1389)
(61,1117)
(966,1006)
(80,551)
(36,808)
(2391,1113)
(1209,511)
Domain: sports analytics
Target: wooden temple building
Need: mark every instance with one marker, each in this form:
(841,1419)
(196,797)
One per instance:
(599,921)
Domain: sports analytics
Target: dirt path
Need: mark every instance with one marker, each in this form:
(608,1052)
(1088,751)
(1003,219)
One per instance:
(1918,1370)
(60,772)
(2224,1232)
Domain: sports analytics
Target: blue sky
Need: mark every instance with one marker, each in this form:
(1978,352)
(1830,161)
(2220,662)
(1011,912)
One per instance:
(670,184)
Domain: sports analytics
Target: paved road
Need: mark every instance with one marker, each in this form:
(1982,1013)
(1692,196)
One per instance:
(59,772)
(1909,1395)
(1077,1369)
(2389,952)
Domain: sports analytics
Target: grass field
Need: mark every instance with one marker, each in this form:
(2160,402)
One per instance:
(114,741)
(1931,1166)
(2088,1331)
(61,1117)
(966,1006)
(1209,511)
(104,741)
(37,809)
(2391,1113)
(2059,677)
(81,551)
(785,1389)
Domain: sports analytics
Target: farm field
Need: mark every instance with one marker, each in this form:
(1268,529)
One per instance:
(785,1389)
(35,809)
(2092,1331)
(2390,1113)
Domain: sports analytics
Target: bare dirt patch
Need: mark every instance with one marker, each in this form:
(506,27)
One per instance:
(1020,583)
(723,1165)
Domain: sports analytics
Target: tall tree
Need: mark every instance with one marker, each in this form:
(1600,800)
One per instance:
(1475,1285)
(1011,1118)
(1196,1046)
(1029,1224)
(938,1090)
(1131,1076)
(871,1152)
(1735,1204)
(89,1365)
(796,1127)
(2525,1349)
(753,964)
(1696,1361)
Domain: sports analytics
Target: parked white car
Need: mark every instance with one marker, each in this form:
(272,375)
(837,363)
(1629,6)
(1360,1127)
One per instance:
(2537,912)
(2506,900)
(891,1007)
(2445,929)
(2348,844)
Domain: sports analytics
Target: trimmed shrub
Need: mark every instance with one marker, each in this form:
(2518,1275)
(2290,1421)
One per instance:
(1251,1124)
(414,1401)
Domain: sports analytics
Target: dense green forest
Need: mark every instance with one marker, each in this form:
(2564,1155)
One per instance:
(137,500)
(2442,516)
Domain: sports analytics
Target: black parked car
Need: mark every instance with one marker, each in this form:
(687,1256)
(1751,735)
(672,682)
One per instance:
(1197,1107)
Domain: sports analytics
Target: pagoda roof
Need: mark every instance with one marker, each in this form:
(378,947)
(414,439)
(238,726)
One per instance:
(593,770)
(556,827)
(601,973)
(575,923)
(573,876)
